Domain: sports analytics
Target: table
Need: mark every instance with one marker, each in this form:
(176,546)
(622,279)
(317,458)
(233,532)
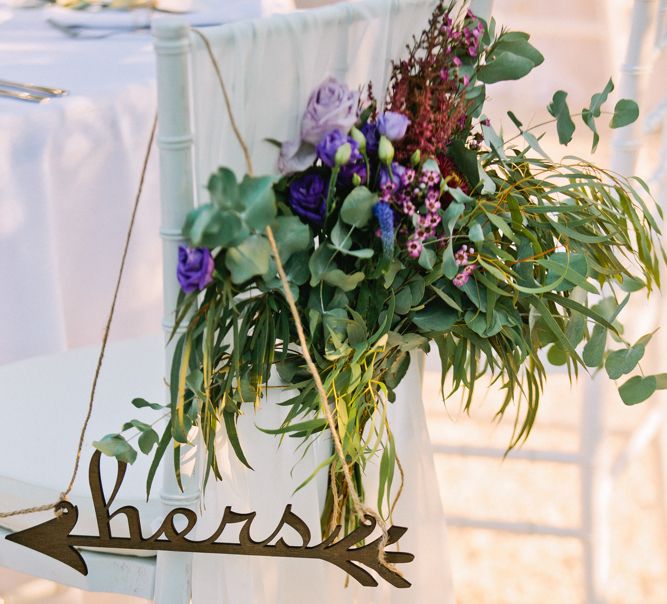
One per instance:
(68,177)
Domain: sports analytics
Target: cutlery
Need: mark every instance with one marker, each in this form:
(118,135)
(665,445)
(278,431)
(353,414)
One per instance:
(33,88)
(24,96)
(83,32)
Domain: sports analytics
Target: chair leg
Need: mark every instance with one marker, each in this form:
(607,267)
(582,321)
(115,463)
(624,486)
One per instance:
(595,481)
(596,486)
(660,448)
(173,584)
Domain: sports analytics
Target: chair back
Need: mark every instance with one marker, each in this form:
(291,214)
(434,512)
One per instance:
(270,66)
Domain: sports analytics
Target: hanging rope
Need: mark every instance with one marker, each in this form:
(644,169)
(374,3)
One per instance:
(105,338)
(361,510)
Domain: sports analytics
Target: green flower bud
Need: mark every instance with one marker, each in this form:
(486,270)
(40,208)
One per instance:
(385,151)
(415,158)
(356,179)
(358,136)
(343,154)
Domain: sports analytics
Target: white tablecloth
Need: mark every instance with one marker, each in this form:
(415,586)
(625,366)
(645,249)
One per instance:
(69,170)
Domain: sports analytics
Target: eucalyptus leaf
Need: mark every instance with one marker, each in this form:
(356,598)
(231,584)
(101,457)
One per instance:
(147,440)
(249,259)
(435,317)
(115,445)
(291,236)
(505,66)
(259,201)
(556,355)
(620,362)
(224,189)
(593,352)
(564,124)
(357,207)
(626,112)
(427,258)
(319,262)
(340,279)
(475,233)
(637,389)
(140,403)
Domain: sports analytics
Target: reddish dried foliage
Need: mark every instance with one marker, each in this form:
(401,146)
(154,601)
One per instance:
(427,89)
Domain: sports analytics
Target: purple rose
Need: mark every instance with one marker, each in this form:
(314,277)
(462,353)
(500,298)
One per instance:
(393,125)
(328,146)
(307,198)
(295,156)
(333,106)
(195,268)
(370,131)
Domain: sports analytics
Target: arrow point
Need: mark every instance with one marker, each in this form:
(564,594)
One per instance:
(51,538)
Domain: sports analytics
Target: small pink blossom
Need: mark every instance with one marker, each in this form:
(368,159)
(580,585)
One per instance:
(415,247)
(430,177)
(434,220)
(408,177)
(463,254)
(409,208)
(464,276)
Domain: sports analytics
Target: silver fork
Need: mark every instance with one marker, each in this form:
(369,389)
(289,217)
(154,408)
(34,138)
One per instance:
(33,88)
(25,96)
(83,33)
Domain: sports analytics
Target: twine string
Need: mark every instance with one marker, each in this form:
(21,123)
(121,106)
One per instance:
(361,510)
(100,358)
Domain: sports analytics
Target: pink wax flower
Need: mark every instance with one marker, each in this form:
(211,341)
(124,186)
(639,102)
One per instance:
(462,256)
(415,247)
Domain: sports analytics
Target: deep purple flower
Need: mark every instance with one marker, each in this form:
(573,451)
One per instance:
(195,268)
(326,149)
(393,125)
(307,198)
(385,217)
(331,106)
(370,131)
(348,171)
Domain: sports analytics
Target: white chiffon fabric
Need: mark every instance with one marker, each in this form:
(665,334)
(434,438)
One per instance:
(270,68)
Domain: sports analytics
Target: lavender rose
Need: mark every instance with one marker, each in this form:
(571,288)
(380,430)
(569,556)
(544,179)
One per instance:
(307,198)
(332,106)
(330,144)
(393,125)
(195,268)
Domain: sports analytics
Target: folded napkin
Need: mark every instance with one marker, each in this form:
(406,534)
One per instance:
(202,13)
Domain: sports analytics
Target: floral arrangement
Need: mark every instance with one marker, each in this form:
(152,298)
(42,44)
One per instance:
(404,223)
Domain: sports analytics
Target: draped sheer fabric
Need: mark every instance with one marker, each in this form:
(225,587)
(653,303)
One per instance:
(270,67)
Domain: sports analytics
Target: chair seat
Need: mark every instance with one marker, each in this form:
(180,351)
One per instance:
(44,402)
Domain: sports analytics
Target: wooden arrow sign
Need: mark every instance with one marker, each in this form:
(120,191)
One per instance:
(53,538)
